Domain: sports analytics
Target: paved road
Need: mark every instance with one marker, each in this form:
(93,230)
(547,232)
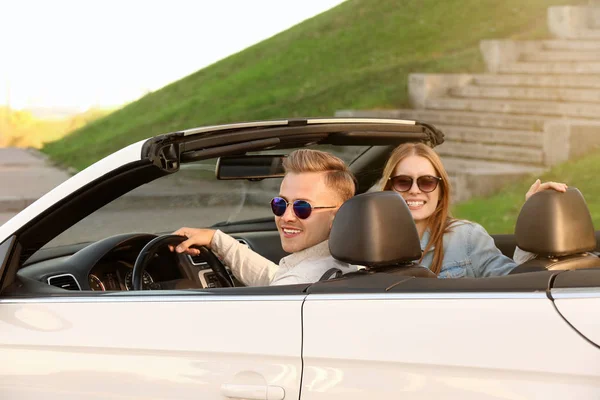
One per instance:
(25,175)
(5,217)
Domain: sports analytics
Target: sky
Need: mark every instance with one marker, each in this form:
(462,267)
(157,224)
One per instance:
(103,53)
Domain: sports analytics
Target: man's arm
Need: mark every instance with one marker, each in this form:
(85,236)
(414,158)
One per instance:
(248,266)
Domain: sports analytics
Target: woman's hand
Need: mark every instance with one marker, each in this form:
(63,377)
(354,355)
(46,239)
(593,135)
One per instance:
(195,237)
(538,186)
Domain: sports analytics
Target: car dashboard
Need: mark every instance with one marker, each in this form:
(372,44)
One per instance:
(117,275)
(107,265)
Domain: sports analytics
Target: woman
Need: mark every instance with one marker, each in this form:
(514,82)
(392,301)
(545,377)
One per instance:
(452,248)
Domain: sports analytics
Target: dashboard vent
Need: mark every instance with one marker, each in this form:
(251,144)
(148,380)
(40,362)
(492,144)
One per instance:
(199,260)
(65,281)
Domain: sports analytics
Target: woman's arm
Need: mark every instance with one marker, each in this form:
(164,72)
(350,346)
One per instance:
(486,259)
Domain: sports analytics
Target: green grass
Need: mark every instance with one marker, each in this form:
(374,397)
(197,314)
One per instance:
(498,213)
(355,56)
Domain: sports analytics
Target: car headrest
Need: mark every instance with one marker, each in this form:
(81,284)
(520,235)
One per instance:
(552,223)
(375,229)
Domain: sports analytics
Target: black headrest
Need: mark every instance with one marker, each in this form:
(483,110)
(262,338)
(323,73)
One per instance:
(552,223)
(374,229)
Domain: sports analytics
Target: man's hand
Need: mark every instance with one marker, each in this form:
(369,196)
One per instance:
(538,186)
(195,237)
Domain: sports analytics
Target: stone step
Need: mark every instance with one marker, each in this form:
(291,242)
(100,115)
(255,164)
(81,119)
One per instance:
(587,34)
(457,165)
(460,118)
(551,56)
(470,178)
(456,189)
(491,136)
(539,93)
(562,67)
(573,81)
(573,45)
(527,107)
(483,151)
(594,15)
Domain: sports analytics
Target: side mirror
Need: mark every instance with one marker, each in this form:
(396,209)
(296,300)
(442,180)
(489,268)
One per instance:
(251,167)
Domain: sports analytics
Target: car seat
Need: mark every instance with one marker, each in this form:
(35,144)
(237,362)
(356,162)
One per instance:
(557,227)
(376,230)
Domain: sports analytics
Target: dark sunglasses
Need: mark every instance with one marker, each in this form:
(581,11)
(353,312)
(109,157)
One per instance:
(302,208)
(425,183)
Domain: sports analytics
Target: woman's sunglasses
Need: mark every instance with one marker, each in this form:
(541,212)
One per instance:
(302,208)
(403,183)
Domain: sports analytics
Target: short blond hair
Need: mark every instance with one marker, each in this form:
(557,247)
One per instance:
(338,176)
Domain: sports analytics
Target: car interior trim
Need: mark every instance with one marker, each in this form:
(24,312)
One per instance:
(428,296)
(242,125)
(228,149)
(582,278)
(50,278)
(336,133)
(5,249)
(157,296)
(206,295)
(576,293)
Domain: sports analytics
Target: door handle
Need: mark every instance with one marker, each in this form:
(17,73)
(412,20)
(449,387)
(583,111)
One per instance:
(253,392)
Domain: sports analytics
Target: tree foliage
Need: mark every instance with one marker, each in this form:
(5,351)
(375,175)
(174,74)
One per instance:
(20,128)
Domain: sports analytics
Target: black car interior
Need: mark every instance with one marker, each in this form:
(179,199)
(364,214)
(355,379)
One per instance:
(558,228)
(374,230)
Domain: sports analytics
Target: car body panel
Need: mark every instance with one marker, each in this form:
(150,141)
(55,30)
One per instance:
(396,340)
(126,347)
(118,159)
(581,308)
(465,346)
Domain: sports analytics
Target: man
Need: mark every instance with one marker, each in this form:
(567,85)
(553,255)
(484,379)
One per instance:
(315,185)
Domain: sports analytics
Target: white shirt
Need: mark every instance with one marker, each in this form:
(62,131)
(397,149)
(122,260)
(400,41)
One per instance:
(306,266)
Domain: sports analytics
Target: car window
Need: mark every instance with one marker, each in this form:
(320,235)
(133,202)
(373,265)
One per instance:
(191,197)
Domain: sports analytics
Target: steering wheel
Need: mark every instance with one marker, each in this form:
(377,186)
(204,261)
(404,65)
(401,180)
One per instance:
(151,248)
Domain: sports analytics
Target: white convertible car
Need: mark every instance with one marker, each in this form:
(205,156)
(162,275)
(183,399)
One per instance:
(93,305)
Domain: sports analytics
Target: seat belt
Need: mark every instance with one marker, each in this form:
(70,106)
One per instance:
(331,273)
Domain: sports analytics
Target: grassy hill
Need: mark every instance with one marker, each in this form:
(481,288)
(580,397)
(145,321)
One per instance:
(357,55)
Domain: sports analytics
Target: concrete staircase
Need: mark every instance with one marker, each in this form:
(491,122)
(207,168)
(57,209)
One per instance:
(538,105)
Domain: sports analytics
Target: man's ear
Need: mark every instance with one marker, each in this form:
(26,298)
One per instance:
(332,218)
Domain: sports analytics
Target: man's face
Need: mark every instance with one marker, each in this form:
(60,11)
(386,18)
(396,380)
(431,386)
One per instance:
(298,234)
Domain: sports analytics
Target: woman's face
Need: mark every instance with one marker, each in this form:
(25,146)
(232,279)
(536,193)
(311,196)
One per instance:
(421,204)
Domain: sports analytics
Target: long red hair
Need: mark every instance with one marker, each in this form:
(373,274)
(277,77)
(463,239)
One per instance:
(440,221)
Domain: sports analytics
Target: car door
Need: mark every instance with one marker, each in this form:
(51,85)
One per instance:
(417,342)
(576,295)
(151,345)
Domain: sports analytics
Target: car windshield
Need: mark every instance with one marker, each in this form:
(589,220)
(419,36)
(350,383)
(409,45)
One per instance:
(191,197)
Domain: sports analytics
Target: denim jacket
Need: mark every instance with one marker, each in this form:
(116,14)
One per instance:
(469,251)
